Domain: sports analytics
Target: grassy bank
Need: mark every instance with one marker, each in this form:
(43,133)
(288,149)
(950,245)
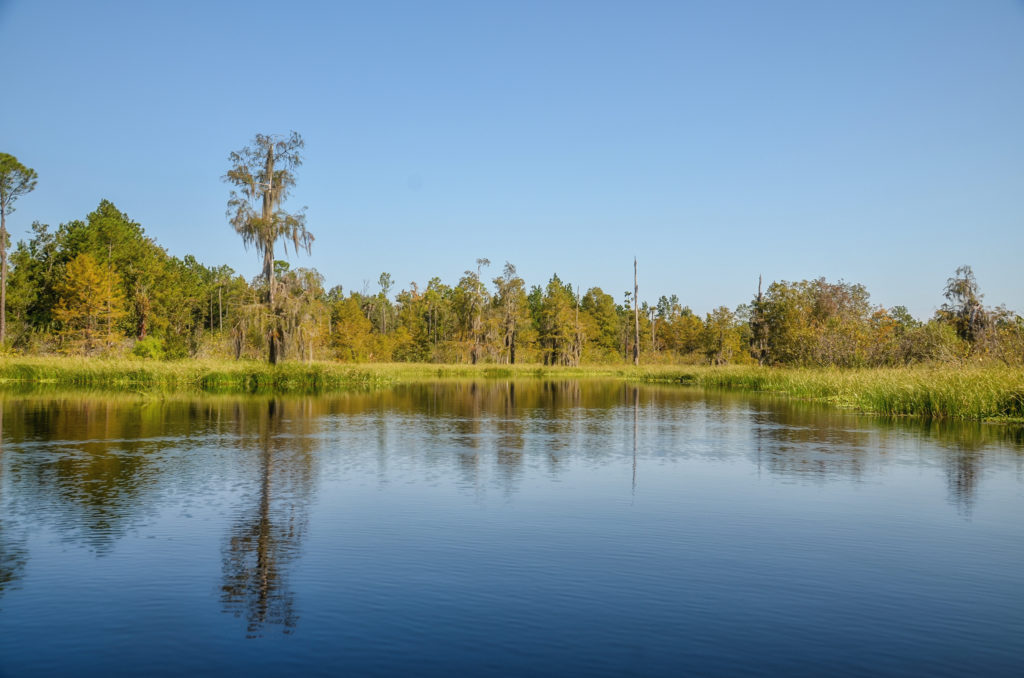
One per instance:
(969,393)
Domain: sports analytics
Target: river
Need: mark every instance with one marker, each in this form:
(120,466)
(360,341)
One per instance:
(504,528)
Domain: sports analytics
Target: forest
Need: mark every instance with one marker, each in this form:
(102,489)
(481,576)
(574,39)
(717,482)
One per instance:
(101,286)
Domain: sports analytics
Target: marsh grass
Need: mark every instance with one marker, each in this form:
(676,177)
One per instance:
(965,393)
(941,392)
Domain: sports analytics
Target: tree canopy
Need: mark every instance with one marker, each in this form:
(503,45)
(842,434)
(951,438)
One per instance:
(15,181)
(102,285)
(262,175)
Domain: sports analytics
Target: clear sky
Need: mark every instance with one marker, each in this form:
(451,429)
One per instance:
(877,142)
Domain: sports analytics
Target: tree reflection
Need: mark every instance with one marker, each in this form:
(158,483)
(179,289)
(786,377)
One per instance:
(13,555)
(266,538)
(510,435)
(96,467)
(97,474)
(800,441)
(636,424)
(966,444)
(12,560)
(963,471)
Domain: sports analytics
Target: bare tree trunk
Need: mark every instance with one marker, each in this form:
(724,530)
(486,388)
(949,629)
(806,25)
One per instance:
(636,318)
(654,339)
(220,311)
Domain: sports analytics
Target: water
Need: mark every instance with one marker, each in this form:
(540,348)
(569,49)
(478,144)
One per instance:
(504,529)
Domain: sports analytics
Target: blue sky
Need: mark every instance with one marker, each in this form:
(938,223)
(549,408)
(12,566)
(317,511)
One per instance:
(876,142)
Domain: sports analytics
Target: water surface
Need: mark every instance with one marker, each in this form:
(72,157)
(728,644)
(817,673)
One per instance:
(527,528)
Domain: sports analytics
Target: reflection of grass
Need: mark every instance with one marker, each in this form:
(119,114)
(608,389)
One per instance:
(941,392)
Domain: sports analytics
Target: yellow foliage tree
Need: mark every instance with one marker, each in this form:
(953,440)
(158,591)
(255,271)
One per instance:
(89,306)
(351,335)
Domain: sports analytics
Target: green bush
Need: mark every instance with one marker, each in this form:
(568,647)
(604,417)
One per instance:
(934,342)
(150,347)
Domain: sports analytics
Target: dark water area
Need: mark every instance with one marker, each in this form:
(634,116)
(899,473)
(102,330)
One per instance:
(496,528)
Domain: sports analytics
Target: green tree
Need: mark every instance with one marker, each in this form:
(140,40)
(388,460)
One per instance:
(350,330)
(441,320)
(758,327)
(932,342)
(15,181)
(90,304)
(602,323)
(1007,336)
(963,308)
(722,338)
(472,301)
(680,330)
(510,300)
(187,282)
(814,322)
(32,283)
(383,301)
(561,333)
(111,237)
(263,173)
(411,320)
(301,297)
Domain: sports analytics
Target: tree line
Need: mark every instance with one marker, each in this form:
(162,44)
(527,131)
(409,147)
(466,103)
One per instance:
(101,286)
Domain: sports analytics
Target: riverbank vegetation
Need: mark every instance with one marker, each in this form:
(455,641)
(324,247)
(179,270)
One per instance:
(993,393)
(102,287)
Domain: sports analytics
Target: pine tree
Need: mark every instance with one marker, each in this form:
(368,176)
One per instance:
(90,305)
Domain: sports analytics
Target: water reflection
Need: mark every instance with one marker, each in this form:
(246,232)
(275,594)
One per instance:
(636,426)
(821,449)
(962,473)
(13,554)
(812,442)
(266,536)
(95,467)
(963,447)
(13,557)
(441,527)
(86,465)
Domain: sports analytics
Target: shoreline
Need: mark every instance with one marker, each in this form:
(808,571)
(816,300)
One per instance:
(965,393)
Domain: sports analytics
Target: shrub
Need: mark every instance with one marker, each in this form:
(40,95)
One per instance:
(150,347)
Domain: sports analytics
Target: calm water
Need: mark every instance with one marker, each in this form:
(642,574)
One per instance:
(506,529)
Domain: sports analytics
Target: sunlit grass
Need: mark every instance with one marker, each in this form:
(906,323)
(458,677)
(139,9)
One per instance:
(939,392)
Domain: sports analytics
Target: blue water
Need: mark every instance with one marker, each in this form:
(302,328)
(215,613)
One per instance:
(532,528)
